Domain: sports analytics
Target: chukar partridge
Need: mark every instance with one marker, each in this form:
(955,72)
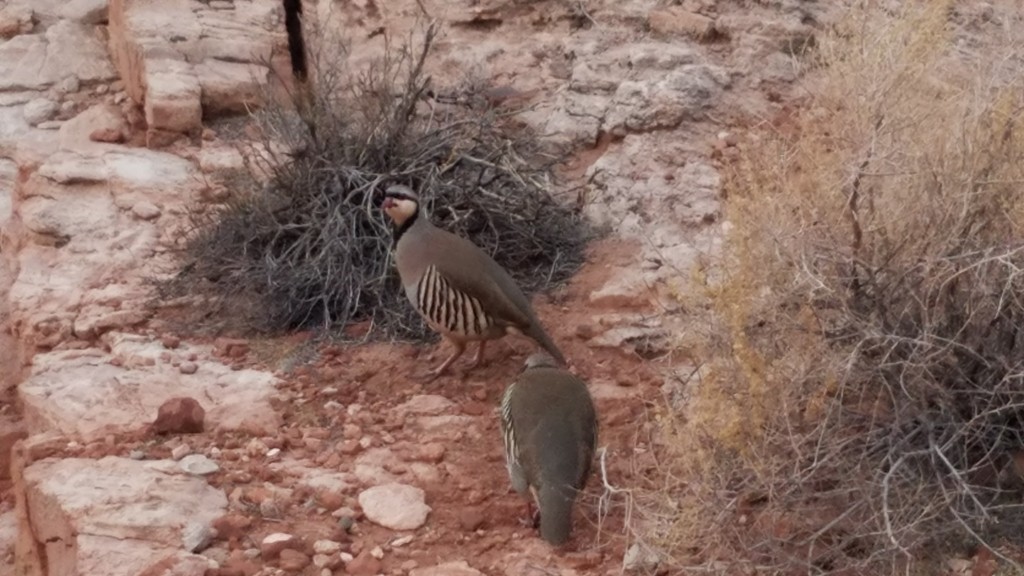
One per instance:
(458,289)
(550,429)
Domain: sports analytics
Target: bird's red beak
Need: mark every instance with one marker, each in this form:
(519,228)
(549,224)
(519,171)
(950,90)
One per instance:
(388,203)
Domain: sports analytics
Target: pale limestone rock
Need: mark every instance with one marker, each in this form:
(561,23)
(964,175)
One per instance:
(172,96)
(220,160)
(8,172)
(198,465)
(15,20)
(230,87)
(429,404)
(212,59)
(39,110)
(116,516)
(682,94)
(35,62)
(8,535)
(460,568)
(395,506)
(13,128)
(82,394)
(145,210)
(374,466)
(90,12)
(76,133)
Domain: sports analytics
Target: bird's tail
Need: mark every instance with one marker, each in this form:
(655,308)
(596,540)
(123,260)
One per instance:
(541,337)
(555,503)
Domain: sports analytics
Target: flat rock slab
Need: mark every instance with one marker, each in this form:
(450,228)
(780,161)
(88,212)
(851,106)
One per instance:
(395,506)
(91,393)
(116,516)
(37,61)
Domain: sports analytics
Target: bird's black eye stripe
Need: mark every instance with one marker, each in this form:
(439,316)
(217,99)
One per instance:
(399,196)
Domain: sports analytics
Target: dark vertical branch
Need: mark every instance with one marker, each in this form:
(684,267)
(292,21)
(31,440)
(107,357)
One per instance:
(296,44)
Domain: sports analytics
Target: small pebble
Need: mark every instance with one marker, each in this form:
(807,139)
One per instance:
(136,454)
(181,451)
(377,552)
(399,542)
(198,465)
(326,547)
(273,453)
(346,557)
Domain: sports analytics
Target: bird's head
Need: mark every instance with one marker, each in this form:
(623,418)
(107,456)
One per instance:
(400,203)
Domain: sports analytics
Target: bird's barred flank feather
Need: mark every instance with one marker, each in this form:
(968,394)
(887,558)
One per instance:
(509,432)
(449,308)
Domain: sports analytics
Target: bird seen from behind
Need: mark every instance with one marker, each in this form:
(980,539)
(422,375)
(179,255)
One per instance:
(549,427)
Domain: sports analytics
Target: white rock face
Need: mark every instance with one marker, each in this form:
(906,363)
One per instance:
(212,62)
(116,516)
(37,61)
(395,506)
(39,110)
(81,393)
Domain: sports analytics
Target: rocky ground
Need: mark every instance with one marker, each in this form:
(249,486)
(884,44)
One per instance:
(317,459)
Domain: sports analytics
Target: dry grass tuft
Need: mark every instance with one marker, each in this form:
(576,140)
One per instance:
(862,405)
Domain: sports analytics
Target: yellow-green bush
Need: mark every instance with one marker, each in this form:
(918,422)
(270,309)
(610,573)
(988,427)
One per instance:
(862,397)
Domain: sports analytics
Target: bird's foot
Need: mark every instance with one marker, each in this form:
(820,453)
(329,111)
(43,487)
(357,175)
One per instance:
(429,376)
(532,517)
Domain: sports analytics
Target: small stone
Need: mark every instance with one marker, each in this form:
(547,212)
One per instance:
(363,565)
(395,506)
(145,210)
(346,557)
(108,135)
(460,568)
(196,536)
(198,465)
(39,110)
(188,368)
(180,452)
(432,452)
(15,20)
(321,560)
(273,544)
(232,526)
(675,20)
(50,125)
(102,89)
(273,453)
(399,542)
(470,519)
(326,547)
(136,454)
(179,415)
(377,552)
(293,560)
(346,523)
(639,559)
(69,85)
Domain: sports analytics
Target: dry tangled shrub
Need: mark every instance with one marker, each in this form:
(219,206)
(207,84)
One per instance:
(861,410)
(312,247)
